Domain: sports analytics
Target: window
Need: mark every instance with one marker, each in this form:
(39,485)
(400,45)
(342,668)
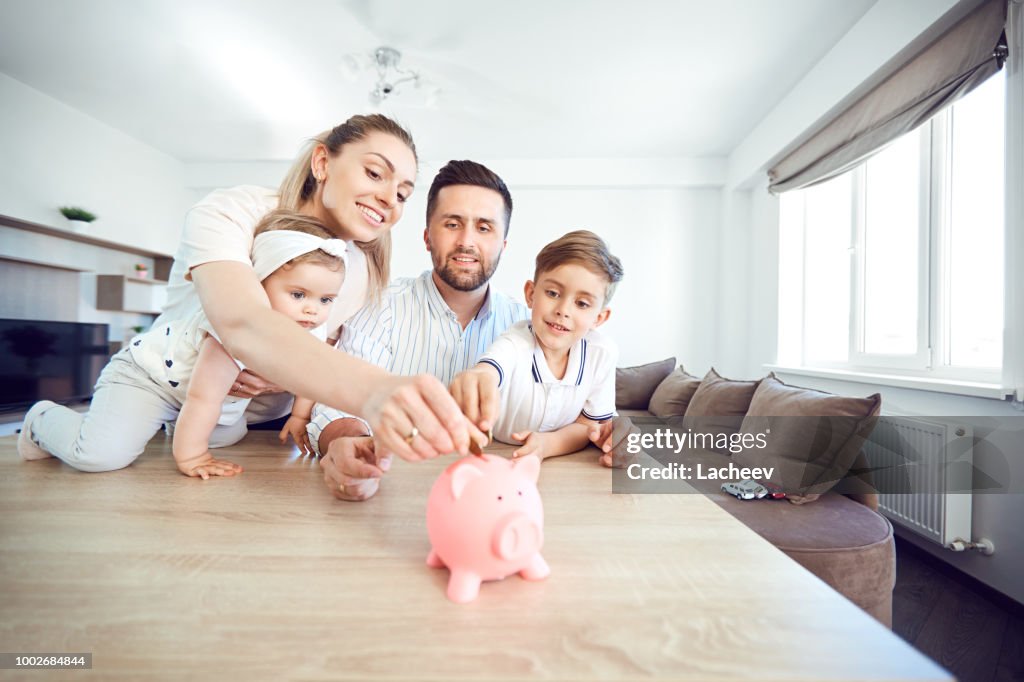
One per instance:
(897,266)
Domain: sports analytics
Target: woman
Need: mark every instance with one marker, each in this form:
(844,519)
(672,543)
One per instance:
(355,179)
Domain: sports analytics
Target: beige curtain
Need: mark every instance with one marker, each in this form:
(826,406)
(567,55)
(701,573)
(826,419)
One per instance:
(954,63)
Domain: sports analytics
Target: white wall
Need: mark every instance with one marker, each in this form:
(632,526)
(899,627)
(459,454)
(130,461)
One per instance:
(54,155)
(667,242)
(732,280)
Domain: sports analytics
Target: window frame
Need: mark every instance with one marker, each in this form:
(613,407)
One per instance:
(931,360)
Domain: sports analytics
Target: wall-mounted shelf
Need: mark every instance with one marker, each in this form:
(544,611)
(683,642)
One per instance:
(161,261)
(140,280)
(45,263)
(130,294)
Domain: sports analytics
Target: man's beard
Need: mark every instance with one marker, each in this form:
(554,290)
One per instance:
(465,281)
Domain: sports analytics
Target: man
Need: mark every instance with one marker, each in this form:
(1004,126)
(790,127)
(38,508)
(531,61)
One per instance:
(438,323)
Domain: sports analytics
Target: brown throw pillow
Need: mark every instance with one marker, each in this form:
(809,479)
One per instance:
(673,395)
(717,408)
(811,437)
(634,385)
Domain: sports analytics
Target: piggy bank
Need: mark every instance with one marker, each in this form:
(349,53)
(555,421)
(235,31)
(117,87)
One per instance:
(486,521)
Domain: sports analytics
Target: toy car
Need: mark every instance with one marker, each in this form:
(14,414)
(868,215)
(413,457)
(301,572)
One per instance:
(774,491)
(745,490)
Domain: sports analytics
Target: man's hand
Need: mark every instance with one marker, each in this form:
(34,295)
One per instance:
(476,393)
(352,470)
(249,385)
(296,428)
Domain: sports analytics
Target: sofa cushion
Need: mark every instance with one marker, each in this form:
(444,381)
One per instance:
(811,437)
(634,385)
(718,406)
(673,394)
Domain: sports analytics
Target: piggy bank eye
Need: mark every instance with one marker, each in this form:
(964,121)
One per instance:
(520,493)
(499,498)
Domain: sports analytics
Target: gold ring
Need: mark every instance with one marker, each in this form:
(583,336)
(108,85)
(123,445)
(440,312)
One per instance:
(412,435)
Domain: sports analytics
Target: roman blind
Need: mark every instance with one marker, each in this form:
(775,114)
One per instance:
(958,59)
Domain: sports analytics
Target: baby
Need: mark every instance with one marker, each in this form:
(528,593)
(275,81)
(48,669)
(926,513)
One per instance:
(555,374)
(180,371)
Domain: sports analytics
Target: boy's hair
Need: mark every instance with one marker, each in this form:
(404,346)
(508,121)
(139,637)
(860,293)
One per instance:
(584,248)
(281,219)
(469,173)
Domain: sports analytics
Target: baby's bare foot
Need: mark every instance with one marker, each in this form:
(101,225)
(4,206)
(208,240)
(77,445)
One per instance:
(26,447)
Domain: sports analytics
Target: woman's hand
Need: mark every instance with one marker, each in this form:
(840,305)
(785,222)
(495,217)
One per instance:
(416,418)
(250,385)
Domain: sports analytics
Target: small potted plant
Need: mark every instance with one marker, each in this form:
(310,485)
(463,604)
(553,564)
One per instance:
(141,270)
(138,329)
(76,213)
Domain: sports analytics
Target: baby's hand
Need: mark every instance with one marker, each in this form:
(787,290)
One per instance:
(296,428)
(204,465)
(476,393)
(533,444)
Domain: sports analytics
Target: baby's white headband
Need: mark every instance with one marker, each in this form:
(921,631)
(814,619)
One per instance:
(273,249)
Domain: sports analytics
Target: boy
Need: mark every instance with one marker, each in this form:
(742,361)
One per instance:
(555,374)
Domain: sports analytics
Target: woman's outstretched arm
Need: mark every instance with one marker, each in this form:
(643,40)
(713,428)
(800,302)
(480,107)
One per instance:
(287,355)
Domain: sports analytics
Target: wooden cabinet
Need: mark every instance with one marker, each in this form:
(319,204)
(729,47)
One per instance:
(130,294)
(36,260)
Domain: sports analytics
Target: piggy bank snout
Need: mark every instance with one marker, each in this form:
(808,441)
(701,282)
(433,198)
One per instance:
(516,537)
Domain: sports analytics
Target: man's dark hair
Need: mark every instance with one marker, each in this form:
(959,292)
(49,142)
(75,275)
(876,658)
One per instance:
(469,173)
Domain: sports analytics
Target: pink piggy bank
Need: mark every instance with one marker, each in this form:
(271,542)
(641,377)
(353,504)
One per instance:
(486,521)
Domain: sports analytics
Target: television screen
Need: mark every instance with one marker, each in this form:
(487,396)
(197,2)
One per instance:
(57,361)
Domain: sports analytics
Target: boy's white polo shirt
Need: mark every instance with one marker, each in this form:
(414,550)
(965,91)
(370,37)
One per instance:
(532,399)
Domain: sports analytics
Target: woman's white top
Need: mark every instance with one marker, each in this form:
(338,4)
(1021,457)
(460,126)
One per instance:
(220,228)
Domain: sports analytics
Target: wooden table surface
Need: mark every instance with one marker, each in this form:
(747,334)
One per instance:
(266,576)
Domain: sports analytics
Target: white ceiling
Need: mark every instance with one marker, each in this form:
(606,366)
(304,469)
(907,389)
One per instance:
(218,80)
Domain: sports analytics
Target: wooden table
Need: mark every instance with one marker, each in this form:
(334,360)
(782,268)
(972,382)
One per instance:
(266,576)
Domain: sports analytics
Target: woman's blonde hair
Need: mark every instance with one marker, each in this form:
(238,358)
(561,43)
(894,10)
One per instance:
(299,222)
(299,184)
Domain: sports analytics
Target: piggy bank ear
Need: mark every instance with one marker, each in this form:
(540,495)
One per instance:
(462,477)
(528,466)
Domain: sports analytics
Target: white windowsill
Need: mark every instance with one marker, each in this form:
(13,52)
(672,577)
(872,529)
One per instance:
(977,389)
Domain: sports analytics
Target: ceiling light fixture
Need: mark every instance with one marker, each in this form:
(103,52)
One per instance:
(389,74)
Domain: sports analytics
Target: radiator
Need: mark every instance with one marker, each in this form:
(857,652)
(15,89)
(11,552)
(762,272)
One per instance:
(923,472)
